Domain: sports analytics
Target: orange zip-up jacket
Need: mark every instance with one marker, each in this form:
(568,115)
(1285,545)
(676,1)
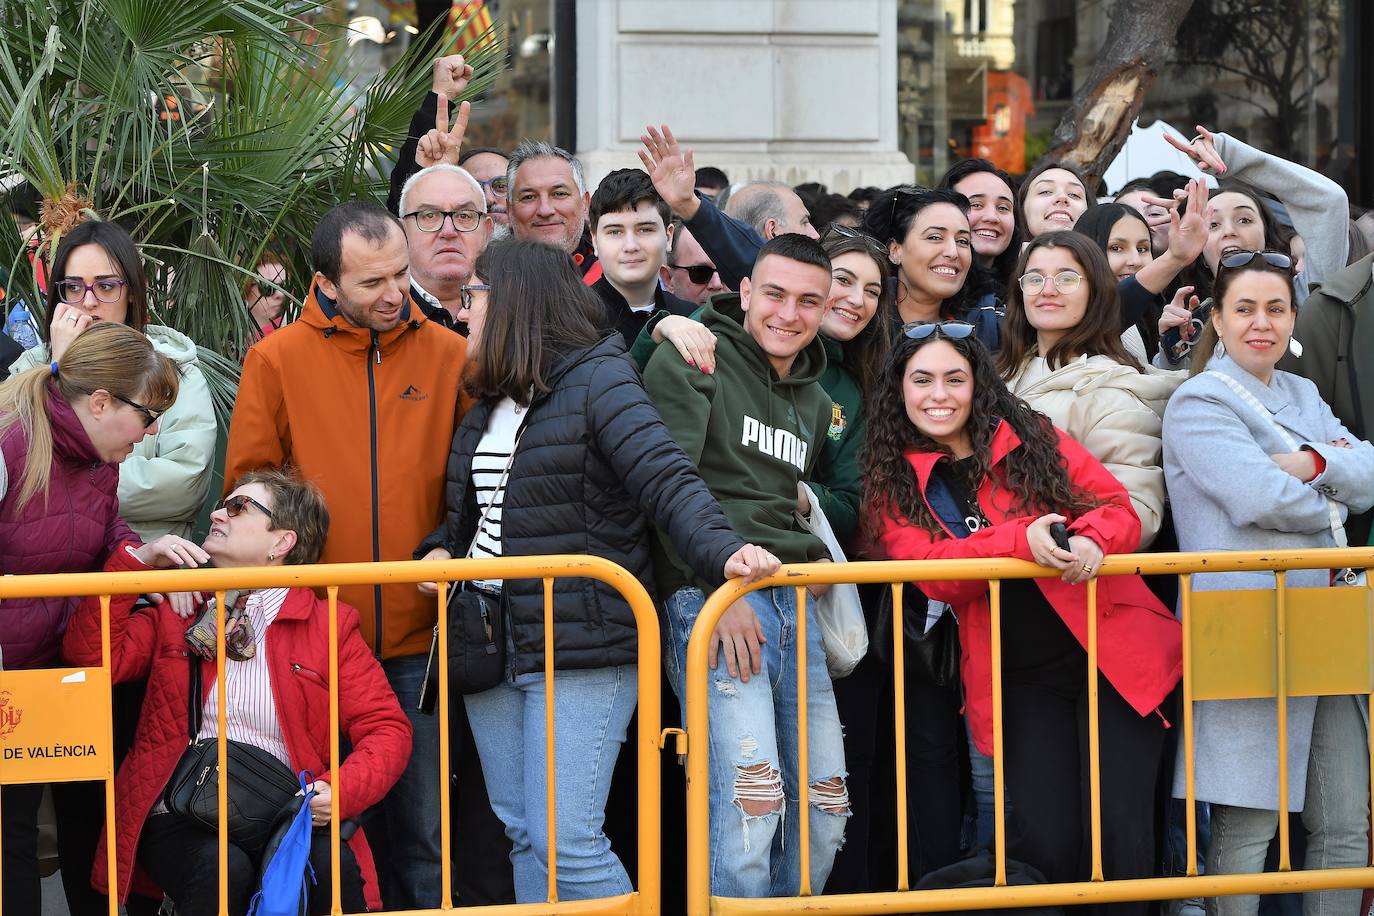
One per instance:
(369,418)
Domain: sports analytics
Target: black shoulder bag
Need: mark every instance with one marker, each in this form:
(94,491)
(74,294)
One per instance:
(260,785)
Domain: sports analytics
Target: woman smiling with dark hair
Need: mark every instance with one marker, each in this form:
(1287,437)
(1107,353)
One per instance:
(564,454)
(958,467)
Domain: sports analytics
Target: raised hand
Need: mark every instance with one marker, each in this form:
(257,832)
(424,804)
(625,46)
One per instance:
(1188,232)
(1203,151)
(443,144)
(451,75)
(672,171)
(67,323)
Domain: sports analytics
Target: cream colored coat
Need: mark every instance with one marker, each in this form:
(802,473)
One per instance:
(1116,413)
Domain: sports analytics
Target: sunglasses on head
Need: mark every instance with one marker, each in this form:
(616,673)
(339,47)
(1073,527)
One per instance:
(233,505)
(700,274)
(953,330)
(1269,256)
(841,231)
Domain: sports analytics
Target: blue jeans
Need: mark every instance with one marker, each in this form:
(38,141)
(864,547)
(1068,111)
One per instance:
(592,710)
(753,735)
(412,806)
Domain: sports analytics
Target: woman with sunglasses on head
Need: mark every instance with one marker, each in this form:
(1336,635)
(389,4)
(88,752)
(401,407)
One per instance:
(97,276)
(1062,354)
(1291,474)
(564,453)
(956,466)
(276,684)
(930,245)
(64,429)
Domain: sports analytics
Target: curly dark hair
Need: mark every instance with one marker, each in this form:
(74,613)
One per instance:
(1036,473)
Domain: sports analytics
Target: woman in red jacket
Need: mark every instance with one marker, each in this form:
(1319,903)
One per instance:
(959,467)
(277,699)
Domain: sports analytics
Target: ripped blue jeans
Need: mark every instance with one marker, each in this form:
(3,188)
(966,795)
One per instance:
(753,756)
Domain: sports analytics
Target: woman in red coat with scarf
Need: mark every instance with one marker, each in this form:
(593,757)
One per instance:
(957,467)
(276,680)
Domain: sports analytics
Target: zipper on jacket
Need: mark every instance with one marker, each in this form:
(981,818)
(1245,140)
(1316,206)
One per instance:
(375,353)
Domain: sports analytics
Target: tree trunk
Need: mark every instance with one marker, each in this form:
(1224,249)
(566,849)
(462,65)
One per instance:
(1098,122)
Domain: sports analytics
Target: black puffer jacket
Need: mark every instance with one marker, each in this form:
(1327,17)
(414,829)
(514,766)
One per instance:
(594,470)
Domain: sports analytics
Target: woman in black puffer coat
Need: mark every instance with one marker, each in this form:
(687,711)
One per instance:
(565,454)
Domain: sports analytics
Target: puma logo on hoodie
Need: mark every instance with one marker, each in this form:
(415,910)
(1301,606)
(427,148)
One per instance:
(779,443)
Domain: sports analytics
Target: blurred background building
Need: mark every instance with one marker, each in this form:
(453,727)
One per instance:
(855,92)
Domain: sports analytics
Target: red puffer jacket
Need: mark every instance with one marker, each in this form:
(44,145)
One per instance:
(151,644)
(1140,643)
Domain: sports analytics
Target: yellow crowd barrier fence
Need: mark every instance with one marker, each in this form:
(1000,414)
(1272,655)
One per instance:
(55,724)
(1272,643)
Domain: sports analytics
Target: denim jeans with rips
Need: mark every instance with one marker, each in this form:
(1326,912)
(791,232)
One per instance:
(753,752)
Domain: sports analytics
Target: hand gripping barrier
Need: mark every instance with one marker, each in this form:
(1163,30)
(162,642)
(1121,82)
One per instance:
(47,716)
(1272,643)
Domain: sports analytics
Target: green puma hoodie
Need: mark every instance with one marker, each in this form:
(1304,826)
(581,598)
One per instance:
(752,435)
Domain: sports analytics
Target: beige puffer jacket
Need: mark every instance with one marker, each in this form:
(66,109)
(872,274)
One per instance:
(1116,413)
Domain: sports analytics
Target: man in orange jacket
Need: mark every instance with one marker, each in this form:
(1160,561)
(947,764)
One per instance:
(362,394)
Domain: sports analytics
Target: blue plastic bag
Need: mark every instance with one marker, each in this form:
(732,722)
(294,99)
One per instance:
(286,872)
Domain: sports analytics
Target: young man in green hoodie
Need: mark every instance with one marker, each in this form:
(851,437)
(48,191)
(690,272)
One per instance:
(755,427)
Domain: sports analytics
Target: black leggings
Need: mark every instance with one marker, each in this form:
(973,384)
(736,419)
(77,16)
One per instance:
(1046,735)
(182,858)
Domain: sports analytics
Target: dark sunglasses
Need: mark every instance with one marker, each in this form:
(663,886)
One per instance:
(1269,256)
(233,505)
(953,330)
(700,274)
(150,416)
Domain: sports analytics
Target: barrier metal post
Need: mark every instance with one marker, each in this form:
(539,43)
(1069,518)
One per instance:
(1353,673)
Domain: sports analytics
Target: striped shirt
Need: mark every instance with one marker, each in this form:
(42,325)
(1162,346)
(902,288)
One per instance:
(489,463)
(251,715)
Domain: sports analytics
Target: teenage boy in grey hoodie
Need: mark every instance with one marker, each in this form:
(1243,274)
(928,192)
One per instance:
(755,427)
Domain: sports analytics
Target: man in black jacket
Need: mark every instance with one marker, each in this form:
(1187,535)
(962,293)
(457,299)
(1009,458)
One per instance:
(630,235)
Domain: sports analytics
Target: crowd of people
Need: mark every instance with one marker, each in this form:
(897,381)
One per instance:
(684,376)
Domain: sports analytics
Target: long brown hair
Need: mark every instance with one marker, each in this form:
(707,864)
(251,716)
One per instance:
(1098,334)
(1035,473)
(107,356)
(864,353)
(538,310)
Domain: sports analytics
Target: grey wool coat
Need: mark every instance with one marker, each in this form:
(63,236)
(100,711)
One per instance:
(1227,494)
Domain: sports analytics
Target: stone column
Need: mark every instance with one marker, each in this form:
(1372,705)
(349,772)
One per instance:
(793,90)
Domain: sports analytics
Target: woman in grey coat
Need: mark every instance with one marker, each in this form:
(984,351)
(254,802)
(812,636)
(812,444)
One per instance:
(1255,460)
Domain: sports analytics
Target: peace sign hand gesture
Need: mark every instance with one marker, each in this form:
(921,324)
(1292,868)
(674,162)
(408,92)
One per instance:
(442,144)
(1203,151)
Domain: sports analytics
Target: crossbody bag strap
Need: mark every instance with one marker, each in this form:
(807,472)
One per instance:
(1333,514)
(193,703)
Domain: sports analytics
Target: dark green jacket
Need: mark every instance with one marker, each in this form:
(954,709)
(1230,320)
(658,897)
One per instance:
(753,436)
(837,480)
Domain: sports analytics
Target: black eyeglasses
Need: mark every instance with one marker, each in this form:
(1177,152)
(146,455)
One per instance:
(150,416)
(106,289)
(1269,256)
(465,292)
(496,185)
(840,230)
(954,330)
(233,505)
(431,220)
(700,274)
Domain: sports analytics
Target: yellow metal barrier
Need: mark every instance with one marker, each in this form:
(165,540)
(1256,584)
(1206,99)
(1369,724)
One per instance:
(70,707)
(1269,643)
